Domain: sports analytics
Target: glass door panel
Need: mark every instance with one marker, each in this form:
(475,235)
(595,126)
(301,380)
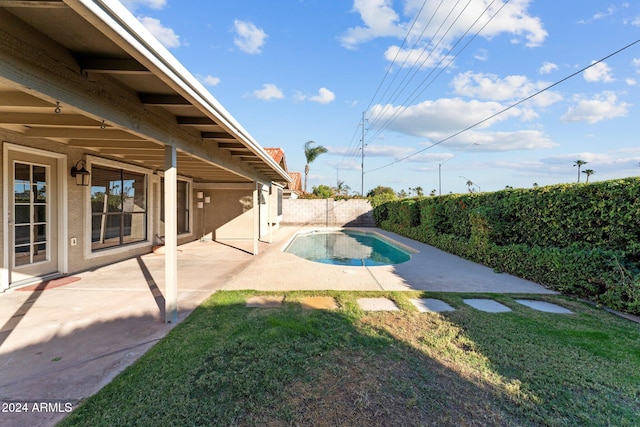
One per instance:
(33,233)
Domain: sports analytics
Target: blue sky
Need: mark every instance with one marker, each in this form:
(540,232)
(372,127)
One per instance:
(435,80)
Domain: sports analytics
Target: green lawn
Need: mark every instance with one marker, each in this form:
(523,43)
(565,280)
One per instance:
(232,365)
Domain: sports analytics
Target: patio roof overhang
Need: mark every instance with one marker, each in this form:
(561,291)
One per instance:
(87,74)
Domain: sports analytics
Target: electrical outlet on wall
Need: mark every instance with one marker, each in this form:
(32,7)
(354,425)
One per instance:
(74,241)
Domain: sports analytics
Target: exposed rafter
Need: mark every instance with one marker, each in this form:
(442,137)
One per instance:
(112,65)
(162,100)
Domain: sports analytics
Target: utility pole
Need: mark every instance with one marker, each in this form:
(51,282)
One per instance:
(362,159)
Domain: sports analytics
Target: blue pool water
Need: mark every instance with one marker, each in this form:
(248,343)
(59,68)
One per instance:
(346,247)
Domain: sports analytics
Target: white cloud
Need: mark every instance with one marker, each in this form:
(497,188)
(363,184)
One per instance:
(603,106)
(491,87)
(488,141)
(151,4)
(268,92)
(547,68)
(249,38)
(381,20)
(409,57)
(509,141)
(210,80)
(610,11)
(376,150)
(481,55)
(165,35)
(569,159)
(631,82)
(440,118)
(514,19)
(324,96)
(599,72)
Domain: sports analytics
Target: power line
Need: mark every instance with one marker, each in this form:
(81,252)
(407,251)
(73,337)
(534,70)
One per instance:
(409,100)
(396,57)
(509,107)
(414,67)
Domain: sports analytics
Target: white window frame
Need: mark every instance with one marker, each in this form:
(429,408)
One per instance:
(191,202)
(88,253)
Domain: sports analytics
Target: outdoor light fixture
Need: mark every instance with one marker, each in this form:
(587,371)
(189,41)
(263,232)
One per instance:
(80,173)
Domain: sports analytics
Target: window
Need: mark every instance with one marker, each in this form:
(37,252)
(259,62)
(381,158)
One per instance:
(279,201)
(118,207)
(183,191)
(30,208)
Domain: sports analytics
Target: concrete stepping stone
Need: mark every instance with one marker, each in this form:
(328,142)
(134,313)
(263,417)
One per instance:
(544,306)
(488,305)
(431,305)
(265,301)
(377,304)
(322,303)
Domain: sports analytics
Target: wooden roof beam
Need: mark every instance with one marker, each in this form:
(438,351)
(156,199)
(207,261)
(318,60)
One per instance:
(162,100)
(112,65)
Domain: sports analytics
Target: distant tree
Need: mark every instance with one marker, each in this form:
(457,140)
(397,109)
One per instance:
(588,172)
(579,164)
(419,191)
(323,191)
(535,185)
(469,185)
(508,187)
(402,194)
(311,153)
(381,190)
(342,189)
(433,193)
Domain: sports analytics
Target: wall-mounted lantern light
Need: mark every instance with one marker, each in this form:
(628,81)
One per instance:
(80,173)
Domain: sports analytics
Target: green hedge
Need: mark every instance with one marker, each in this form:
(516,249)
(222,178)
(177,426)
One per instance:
(580,239)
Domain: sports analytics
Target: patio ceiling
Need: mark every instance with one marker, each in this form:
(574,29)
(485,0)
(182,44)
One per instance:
(86,74)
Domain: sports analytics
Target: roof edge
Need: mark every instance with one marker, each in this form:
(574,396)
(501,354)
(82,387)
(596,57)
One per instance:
(122,22)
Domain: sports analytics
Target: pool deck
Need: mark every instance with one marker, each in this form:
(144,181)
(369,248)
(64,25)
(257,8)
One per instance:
(429,269)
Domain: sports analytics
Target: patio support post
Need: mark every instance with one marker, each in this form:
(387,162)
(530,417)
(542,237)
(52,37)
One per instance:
(256,218)
(171,234)
(270,212)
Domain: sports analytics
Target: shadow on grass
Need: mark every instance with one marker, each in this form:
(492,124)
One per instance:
(582,368)
(232,365)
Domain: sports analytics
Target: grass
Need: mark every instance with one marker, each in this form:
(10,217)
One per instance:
(232,365)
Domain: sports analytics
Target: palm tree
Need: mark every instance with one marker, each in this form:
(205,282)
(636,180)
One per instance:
(469,184)
(311,153)
(588,172)
(342,188)
(579,163)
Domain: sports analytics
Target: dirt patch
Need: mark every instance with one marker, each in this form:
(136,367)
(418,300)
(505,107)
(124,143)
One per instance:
(392,385)
(324,303)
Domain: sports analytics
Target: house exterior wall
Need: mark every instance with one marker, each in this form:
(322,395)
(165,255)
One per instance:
(230,213)
(225,207)
(328,212)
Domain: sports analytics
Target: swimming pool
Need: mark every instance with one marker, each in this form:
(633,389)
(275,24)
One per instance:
(347,247)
